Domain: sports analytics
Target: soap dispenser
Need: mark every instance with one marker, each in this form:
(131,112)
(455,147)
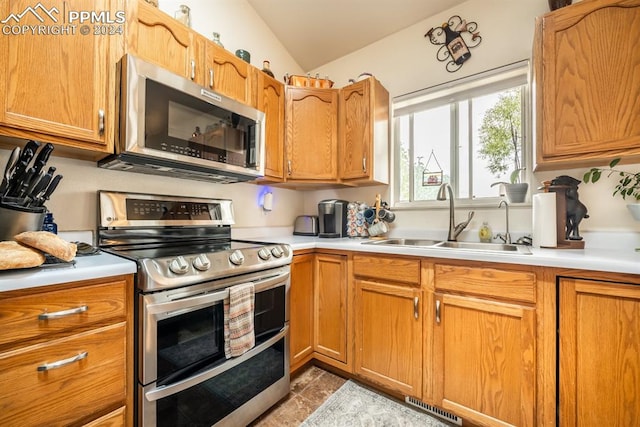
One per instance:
(485,233)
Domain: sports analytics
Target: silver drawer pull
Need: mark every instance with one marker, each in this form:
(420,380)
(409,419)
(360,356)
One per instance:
(101,122)
(63,313)
(437,311)
(63,362)
(416,302)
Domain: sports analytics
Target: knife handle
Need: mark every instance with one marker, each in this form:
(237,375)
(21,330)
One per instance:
(28,176)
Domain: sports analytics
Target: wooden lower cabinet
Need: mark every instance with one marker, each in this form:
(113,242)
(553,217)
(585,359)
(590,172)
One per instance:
(66,354)
(388,335)
(388,322)
(301,310)
(331,314)
(484,348)
(599,353)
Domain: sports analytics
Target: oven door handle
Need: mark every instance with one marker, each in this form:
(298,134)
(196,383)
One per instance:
(200,300)
(164,391)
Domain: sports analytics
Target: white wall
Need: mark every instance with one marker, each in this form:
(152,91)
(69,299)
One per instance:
(406,61)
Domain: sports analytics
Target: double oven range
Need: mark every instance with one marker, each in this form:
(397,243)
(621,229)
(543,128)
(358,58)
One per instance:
(187,262)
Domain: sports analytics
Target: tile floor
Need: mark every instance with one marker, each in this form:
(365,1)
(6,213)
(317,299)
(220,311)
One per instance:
(309,389)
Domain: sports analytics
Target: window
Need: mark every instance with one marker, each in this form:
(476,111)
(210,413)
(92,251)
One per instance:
(470,133)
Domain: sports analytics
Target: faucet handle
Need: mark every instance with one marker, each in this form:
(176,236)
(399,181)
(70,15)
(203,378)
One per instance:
(461,226)
(501,236)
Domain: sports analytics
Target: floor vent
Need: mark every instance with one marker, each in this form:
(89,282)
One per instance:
(433,410)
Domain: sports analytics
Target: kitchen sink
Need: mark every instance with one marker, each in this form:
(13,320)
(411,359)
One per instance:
(491,247)
(438,244)
(404,242)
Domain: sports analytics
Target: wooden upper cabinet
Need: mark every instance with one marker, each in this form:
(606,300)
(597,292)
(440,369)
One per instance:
(587,85)
(271,102)
(229,75)
(599,354)
(364,132)
(154,36)
(59,87)
(311,138)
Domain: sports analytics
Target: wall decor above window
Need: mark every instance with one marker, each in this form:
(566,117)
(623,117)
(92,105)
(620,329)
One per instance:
(455,37)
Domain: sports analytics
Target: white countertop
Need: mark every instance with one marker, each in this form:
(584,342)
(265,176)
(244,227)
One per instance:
(625,260)
(85,268)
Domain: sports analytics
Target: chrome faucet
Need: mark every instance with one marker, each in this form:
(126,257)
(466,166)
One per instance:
(506,237)
(454,229)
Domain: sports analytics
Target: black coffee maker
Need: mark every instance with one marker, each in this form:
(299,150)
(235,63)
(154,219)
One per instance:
(332,218)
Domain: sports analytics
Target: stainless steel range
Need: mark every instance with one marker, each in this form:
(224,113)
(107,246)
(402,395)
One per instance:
(187,265)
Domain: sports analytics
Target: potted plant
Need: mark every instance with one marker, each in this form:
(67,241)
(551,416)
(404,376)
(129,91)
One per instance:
(515,190)
(628,184)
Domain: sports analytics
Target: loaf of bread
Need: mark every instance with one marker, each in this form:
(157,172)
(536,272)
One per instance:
(14,255)
(48,243)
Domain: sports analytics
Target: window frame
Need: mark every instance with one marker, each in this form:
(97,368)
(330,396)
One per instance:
(502,78)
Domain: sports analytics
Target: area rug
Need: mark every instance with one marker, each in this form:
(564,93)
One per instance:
(356,406)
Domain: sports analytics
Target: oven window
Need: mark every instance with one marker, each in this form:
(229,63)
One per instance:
(209,402)
(193,342)
(188,342)
(269,313)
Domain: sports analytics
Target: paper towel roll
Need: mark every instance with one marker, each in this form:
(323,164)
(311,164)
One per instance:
(544,220)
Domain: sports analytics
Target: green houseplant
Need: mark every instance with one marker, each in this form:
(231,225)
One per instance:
(628,185)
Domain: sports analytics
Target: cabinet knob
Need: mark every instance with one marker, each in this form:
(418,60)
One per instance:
(193,69)
(416,313)
(437,311)
(211,78)
(364,164)
(289,167)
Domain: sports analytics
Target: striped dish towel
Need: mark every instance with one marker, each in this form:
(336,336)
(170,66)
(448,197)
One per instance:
(238,320)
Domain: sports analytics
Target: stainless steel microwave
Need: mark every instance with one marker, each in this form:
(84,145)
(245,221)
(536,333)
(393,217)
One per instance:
(168,125)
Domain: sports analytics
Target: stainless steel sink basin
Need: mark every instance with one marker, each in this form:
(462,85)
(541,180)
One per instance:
(438,244)
(491,247)
(404,242)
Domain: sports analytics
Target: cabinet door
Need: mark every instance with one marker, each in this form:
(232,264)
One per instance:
(330,314)
(156,37)
(388,334)
(364,133)
(311,134)
(599,353)
(485,360)
(355,130)
(229,75)
(588,95)
(59,85)
(301,310)
(271,102)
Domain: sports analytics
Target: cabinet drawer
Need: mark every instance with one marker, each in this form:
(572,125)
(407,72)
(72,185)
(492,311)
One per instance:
(116,418)
(387,268)
(63,395)
(21,317)
(491,282)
